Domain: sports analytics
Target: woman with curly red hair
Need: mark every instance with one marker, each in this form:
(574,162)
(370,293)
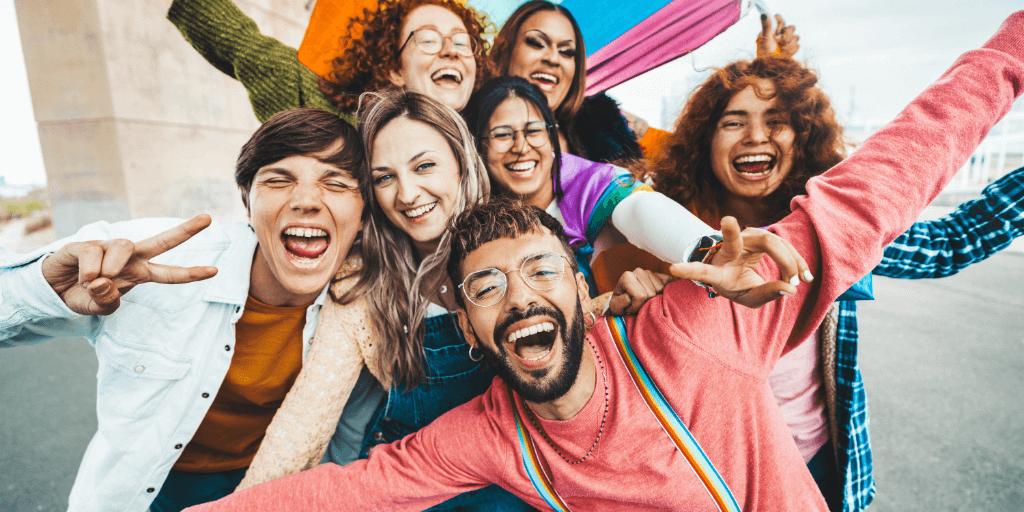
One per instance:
(433,47)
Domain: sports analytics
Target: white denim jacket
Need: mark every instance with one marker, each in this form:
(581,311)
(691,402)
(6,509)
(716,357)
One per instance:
(162,355)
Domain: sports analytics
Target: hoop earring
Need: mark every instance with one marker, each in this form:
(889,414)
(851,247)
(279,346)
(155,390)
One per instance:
(475,359)
(593,322)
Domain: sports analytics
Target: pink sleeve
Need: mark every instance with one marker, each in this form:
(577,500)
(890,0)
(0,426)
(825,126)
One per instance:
(461,451)
(853,211)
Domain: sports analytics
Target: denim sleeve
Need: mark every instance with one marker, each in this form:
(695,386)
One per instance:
(31,312)
(972,233)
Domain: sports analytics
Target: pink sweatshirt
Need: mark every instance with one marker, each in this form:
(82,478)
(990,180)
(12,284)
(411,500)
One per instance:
(711,358)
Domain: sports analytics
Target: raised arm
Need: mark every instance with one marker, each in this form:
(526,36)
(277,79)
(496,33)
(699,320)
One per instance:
(972,233)
(231,42)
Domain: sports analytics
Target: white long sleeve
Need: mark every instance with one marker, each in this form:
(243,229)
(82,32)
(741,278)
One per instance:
(659,225)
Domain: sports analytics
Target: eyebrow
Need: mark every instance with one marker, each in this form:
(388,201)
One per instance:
(419,155)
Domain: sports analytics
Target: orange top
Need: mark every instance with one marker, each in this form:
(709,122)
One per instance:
(266,362)
(653,143)
(327,32)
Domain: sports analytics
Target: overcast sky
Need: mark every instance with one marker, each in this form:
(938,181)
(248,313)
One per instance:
(873,56)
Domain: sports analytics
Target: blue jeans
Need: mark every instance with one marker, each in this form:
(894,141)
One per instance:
(452,380)
(826,474)
(182,490)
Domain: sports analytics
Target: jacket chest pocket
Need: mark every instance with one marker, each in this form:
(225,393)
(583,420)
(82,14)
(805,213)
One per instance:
(134,379)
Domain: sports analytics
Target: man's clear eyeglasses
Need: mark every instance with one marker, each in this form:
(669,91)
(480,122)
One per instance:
(430,41)
(503,138)
(542,272)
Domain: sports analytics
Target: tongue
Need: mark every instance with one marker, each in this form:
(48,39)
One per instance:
(305,247)
(753,166)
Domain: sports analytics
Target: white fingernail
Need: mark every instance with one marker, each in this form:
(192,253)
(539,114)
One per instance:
(808,276)
(85,284)
(795,281)
(784,292)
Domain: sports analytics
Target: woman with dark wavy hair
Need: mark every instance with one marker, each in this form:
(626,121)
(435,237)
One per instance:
(724,158)
(432,47)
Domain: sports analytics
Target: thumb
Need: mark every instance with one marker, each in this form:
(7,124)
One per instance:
(766,26)
(696,272)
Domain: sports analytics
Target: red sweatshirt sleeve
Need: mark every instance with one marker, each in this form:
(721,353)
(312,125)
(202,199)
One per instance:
(461,451)
(853,211)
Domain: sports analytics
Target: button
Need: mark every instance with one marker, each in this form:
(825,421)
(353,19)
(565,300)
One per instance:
(238,308)
(206,395)
(227,348)
(177,446)
(139,368)
(378,436)
(150,489)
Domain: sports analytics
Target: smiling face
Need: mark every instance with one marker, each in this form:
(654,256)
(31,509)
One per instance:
(523,170)
(415,180)
(533,339)
(446,76)
(306,214)
(545,54)
(752,148)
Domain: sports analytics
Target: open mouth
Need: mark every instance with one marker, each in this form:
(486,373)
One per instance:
(522,169)
(305,245)
(754,167)
(418,213)
(545,81)
(447,77)
(532,343)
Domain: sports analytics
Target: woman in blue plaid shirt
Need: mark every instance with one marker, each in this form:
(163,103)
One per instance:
(747,142)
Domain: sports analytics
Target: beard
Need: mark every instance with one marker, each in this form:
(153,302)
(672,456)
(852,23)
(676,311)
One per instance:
(548,383)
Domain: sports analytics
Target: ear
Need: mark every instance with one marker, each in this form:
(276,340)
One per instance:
(396,78)
(467,328)
(582,288)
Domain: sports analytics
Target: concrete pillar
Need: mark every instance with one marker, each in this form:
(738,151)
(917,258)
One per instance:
(132,121)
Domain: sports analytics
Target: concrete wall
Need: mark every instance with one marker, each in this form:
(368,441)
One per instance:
(132,121)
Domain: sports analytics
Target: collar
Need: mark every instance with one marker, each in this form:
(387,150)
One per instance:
(231,284)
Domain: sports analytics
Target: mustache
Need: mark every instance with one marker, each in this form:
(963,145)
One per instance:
(501,327)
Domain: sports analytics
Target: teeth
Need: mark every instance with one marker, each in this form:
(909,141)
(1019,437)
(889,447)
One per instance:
(451,73)
(522,166)
(538,357)
(533,329)
(545,76)
(305,232)
(754,158)
(412,214)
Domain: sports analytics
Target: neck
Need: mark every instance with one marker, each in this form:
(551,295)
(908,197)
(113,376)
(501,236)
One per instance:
(264,286)
(570,404)
(424,249)
(542,198)
(749,212)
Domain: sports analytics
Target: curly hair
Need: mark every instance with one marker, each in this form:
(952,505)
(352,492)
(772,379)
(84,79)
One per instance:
(684,171)
(372,52)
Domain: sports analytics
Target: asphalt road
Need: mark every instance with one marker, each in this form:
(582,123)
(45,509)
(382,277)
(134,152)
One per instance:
(943,363)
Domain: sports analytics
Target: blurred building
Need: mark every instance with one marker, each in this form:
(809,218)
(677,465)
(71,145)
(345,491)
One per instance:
(132,121)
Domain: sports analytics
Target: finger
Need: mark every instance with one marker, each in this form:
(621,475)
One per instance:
(696,272)
(781,26)
(103,292)
(642,292)
(732,243)
(118,253)
(622,298)
(168,274)
(159,244)
(770,243)
(651,283)
(803,269)
(90,260)
(766,25)
(763,294)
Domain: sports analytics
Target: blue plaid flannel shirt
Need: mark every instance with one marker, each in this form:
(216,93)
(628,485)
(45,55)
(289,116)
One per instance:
(932,249)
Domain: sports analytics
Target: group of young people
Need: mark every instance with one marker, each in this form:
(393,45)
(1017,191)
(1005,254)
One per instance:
(474,226)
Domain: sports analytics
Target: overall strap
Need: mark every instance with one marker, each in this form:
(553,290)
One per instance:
(670,421)
(531,461)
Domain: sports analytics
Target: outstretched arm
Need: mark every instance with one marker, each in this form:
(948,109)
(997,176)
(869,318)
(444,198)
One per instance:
(231,42)
(972,233)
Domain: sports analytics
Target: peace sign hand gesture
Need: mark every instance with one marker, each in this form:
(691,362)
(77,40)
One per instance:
(732,272)
(90,277)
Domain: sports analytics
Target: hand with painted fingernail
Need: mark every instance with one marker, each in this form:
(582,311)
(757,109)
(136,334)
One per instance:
(732,272)
(90,277)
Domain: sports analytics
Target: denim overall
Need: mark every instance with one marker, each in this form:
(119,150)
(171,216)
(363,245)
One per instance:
(452,380)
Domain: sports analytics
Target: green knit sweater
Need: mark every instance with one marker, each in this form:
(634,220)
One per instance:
(231,41)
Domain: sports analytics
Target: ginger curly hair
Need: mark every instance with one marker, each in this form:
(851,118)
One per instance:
(684,170)
(372,52)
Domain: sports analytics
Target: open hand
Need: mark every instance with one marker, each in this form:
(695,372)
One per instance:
(732,271)
(90,277)
(634,289)
(783,38)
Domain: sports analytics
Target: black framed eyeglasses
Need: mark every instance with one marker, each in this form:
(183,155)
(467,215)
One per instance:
(502,138)
(542,272)
(430,42)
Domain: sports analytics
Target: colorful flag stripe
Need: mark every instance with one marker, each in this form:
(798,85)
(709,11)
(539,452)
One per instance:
(531,461)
